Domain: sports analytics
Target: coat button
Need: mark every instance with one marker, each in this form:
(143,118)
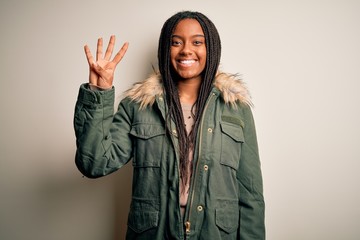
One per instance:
(200,208)
(160,98)
(210,130)
(206,167)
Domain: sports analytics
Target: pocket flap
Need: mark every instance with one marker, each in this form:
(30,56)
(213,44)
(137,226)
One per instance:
(146,131)
(233,131)
(227,219)
(140,221)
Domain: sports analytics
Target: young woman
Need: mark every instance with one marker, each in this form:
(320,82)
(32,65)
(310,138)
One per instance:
(190,134)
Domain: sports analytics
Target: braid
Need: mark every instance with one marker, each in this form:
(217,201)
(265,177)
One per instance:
(213,52)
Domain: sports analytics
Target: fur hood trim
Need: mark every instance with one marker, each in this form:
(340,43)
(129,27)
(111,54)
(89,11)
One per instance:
(231,87)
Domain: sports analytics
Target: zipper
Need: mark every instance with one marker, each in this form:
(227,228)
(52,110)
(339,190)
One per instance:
(188,223)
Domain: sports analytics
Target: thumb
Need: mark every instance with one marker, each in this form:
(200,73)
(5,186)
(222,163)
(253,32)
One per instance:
(97,68)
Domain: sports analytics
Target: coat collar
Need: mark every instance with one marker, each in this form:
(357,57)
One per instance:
(232,89)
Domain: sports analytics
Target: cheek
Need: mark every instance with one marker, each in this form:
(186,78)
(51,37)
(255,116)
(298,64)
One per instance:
(203,57)
(202,53)
(172,56)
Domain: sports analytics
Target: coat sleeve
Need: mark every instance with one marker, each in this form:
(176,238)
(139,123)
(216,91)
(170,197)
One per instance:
(252,206)
(102,138)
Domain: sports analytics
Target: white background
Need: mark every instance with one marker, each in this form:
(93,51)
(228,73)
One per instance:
(300,59)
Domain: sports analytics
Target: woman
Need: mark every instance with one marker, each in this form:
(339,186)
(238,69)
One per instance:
(190,134)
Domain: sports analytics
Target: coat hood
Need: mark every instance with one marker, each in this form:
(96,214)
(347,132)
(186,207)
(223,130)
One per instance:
(232,89)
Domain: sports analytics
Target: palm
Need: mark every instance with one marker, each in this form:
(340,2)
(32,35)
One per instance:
(102,71)
(106,74)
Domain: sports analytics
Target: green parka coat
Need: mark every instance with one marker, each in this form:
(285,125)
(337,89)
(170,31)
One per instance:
(226,196)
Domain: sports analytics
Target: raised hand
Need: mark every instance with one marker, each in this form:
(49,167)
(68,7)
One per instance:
(102,71)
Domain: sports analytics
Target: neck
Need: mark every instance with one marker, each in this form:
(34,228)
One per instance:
(189,90)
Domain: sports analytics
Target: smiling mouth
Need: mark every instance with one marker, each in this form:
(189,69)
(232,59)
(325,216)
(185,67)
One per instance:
(187,62)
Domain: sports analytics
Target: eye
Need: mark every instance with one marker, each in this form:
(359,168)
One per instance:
(198,42)
(175,43)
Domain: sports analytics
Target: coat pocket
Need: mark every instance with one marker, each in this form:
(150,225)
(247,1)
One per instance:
(148,144)
(231,142)
(143,215)
(142,221)
(227,216)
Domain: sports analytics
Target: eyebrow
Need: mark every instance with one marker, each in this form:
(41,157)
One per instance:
(197,35)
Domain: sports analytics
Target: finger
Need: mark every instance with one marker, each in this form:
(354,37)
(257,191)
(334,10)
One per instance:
(88,54)
(99,49)
(121,53)
(110,48)
(93,78)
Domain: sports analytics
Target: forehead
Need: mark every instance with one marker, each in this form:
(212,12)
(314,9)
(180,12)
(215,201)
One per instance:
(188,27)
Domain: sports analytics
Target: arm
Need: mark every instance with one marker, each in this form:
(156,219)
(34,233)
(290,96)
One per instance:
(252,207)
(102,140)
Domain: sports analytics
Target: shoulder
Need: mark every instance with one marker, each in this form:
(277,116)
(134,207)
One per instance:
(233,89)
(144,93)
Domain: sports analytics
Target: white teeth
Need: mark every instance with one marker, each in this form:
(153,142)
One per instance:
(187,62)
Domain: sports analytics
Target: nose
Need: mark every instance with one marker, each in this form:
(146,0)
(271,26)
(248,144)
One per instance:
(186,50)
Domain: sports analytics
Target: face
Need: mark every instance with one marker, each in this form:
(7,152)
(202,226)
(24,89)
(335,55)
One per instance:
(188,50)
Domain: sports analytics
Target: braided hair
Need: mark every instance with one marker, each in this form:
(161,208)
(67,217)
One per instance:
(169,78)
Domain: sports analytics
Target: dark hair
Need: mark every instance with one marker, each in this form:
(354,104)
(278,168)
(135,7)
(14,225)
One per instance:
(213,52)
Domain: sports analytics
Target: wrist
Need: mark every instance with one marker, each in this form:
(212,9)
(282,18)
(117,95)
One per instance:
(98,88)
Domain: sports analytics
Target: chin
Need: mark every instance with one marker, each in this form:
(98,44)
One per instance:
(188,75)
